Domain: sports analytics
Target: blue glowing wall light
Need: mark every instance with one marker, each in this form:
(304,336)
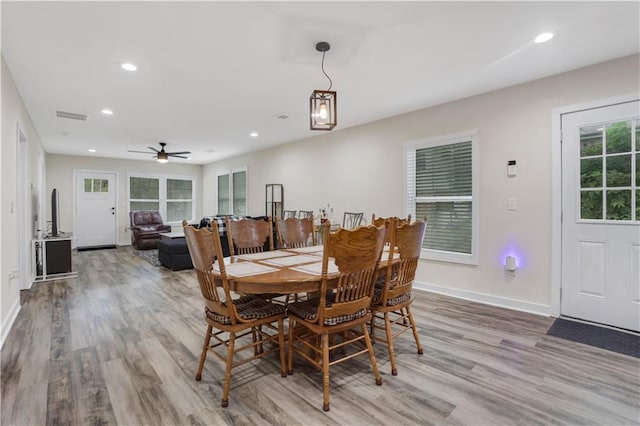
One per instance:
(512,250)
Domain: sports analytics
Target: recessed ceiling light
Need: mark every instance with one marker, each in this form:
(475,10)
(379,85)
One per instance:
(107,112)
(188,158)
(253,134)
(129,66)
(543,37)
(92,150)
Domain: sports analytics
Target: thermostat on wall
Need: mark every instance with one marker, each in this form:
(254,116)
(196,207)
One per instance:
(511,168)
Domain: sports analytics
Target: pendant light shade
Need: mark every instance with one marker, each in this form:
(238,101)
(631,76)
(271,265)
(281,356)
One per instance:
(322,103)
(323,110)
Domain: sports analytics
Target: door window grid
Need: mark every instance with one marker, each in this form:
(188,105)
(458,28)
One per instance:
(96,185)
(609,172)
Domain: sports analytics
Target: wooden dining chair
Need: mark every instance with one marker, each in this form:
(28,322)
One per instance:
(248,236)
(343,304)
(377,221)
(303,214)
(392,296)
(295,233)
(232,319)
(351,220)
(289,213)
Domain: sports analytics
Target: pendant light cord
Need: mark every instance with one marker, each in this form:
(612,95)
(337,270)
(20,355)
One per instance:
(329,78)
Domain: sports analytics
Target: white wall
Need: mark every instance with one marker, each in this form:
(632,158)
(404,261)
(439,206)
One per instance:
(362,169)
(13,111)
(60,175)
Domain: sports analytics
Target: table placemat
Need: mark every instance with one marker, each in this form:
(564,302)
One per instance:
(264,255)
(311,249)
(316,268)
(244,269)
(291,260)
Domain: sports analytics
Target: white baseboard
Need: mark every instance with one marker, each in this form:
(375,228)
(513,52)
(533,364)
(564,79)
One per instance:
(487,299)
(6,326)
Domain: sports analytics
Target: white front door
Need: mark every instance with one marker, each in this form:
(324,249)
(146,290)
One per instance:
(95,210)
(601,215)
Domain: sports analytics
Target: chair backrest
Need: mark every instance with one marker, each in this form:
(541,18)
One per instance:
(205,249)
(289,213)
(145,217)
(249,236)
(406,240)
(357,255)
(303,214)
(377,221)
(351,220)
(295,233)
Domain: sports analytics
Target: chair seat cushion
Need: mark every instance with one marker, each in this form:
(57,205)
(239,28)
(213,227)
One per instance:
(379,289)
(308,310)
(249,307)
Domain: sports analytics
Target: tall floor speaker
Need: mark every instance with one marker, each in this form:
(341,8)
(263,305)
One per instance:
(58,255)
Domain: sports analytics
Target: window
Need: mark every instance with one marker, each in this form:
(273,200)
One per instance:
(608,179)
(170,195)
(232,192)
(442,191)
(96,185)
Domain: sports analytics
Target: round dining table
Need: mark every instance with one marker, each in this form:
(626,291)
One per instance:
(282,278)
(286,271)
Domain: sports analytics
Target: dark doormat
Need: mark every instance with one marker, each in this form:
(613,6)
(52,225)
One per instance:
(90,248)
(601,337)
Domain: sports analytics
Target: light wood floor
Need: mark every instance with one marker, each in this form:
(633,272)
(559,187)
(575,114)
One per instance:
(120,345)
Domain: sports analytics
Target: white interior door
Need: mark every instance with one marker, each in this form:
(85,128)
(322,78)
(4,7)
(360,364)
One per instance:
(95,218)
(601,215)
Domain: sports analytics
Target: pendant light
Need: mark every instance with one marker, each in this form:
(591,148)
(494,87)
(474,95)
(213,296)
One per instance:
(322,103)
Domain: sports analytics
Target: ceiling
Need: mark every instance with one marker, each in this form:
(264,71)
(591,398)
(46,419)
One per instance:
(210,73)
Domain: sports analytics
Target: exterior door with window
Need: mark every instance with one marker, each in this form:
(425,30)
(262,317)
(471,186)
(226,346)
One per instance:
(601,215)
(95,218)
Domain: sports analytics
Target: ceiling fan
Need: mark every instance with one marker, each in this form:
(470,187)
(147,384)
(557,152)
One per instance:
(162,156)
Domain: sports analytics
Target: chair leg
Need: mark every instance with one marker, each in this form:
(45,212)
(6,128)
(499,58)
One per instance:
(372,356)
(292,325)
(325,371)
(415,331)
(254,339)
(392,354)
(260,347)
(203,355)
(227,373)
(283,364)
(372,327)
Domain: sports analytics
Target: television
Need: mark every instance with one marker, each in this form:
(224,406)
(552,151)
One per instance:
(55,212)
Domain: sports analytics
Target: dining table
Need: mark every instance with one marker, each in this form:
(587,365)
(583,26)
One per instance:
(284,271)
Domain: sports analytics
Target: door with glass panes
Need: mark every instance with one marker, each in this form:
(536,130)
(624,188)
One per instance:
(601,215)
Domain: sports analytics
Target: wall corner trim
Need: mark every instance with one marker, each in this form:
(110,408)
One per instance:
(8,323)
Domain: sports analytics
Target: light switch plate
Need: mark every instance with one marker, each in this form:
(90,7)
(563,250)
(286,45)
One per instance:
(512,204)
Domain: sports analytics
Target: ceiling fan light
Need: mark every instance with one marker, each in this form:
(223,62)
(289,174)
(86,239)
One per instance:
(162,157)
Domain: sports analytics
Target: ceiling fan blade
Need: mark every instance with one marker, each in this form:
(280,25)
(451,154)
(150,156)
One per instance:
(179,153)
(141,152)
(153,149)
(177,156)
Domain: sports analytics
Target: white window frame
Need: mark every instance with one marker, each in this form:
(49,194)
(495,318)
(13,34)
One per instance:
(162,201)
(411,199)
(230,173)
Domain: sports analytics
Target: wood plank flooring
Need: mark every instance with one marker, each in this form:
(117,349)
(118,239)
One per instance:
(120,343)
